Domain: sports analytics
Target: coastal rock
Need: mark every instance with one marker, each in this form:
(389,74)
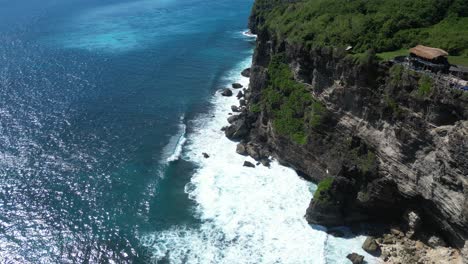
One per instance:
(205,155)
(242,102)
(235,108)
(355,258)
(237,130)
(246,73)
(336,233)
(435,241)
(253,151)
(412,222)
(240,95)
(233,118)
(371,246)
(248,164)
(237,85)
(226,92)
(265,162)
(240,149)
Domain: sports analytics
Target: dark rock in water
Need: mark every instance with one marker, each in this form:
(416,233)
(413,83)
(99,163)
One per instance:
(355,258)
(253,151)
(205,155)
(240,95)
(336,233)
(242,102)
(249,164)
(235,108)
(265,162)
(233,118)
(246,73)
(371,246)
(237,130)
(224,128)
(237,85)
(226,92)
(240,149)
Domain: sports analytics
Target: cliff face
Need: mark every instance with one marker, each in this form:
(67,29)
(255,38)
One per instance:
(392,139)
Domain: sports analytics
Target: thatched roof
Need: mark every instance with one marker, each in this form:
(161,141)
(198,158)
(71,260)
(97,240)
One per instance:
(428,52)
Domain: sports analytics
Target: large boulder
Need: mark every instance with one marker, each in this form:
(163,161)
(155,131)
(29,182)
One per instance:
(226,92)
(237,85)
(235,108)
(355,258)
(249,164)
(237,130)
(246,73)
(240,94)
(253,151)
(371,246)
(233,118)
(240,149)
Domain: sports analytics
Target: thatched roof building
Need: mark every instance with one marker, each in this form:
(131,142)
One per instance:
(427,58)
(428,53)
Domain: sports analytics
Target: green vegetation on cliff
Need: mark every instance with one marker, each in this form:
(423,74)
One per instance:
(382,25)
(321,194)
(292,106)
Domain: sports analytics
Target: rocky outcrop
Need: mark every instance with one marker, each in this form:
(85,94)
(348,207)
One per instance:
(237,85)
(226,92)
(388,145)
(355,258)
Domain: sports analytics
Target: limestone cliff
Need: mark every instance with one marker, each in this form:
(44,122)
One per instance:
(391,138)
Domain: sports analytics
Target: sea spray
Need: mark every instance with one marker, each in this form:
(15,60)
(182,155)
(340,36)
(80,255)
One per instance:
(173,149)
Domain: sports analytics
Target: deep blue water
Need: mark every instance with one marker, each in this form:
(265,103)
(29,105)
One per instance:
(93,98)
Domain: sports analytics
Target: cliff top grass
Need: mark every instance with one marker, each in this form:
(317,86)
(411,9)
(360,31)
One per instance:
(382,25)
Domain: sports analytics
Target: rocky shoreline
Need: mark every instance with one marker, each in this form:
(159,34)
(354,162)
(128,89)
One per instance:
(249,126)
(401,242)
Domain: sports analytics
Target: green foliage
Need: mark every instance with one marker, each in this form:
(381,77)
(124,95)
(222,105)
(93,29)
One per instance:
(459,60)
(292,106)
(424,85)
(392,54)
(321,194)
(396,72)
(317,114)
(366,58)
(365,162)
(392,104)
(382,25)
(255,108)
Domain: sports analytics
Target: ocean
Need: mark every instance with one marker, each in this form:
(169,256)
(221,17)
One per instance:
(105,110)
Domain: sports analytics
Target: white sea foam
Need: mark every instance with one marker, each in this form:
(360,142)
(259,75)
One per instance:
(249,34)
(173,149)
(249,215)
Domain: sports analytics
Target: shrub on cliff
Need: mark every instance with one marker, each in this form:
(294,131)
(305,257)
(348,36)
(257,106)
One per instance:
(424,86)
(321,194)
(293,108)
